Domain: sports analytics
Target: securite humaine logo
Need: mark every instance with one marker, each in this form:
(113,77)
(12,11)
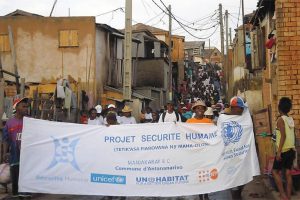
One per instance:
(157,180)
(64,152)
(108,178)
(231,132)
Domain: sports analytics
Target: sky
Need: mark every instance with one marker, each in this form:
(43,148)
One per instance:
(199,17)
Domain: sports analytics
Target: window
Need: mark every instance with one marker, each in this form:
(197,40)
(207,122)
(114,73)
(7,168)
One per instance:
(4,43)
(215,54)
(68,38)
(196,51)
(149,47)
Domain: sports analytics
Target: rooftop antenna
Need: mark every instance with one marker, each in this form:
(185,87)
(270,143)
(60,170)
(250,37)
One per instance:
(53,7)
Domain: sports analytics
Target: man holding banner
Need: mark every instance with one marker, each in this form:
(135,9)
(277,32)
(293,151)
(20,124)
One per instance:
(12,137)
(199,109)
(155,160)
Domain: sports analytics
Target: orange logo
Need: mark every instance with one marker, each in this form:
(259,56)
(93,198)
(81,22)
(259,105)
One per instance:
(214,174)
(207,175)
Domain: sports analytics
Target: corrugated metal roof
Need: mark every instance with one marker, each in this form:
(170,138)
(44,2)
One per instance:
(22,13)
(134,94)
(115,32)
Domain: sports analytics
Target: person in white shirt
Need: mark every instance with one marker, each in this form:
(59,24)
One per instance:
(127,118)
(93,117)
(99,116)
(112,108)
(148,115)
(170,115)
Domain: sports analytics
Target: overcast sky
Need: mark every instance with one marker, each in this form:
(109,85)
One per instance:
(194,13)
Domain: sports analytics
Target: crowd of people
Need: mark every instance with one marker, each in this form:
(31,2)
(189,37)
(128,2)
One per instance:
(205,83)
(182,113)
(199,112)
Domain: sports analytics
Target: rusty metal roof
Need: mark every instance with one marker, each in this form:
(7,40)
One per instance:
(22,13)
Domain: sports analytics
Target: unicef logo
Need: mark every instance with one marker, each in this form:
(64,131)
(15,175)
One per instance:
(64,152)
(231,132)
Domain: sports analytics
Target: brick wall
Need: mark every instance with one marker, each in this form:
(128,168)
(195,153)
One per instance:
(288,54)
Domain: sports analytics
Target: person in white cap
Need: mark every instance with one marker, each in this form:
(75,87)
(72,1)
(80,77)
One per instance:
(127,118)
(99,116)
(112,108)
(93,117)
(209,113)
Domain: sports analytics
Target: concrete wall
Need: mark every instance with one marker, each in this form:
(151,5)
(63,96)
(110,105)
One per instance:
(39,57)
(254,100)
(151,73)
(141,50)
(237,71)
(158,94)
(215,58)
(102,60)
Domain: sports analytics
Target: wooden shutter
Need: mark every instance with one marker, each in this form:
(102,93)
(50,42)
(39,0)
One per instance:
(4,43)
(68,38)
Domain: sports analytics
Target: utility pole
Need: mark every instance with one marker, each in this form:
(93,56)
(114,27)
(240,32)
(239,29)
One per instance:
(227,50)
(226,32)
(222,45)
(170,56)
(221,32)
(244,32)
(55,1)
(127,51)
(230,37)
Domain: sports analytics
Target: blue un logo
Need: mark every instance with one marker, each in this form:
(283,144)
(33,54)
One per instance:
(64,152)
(231,132)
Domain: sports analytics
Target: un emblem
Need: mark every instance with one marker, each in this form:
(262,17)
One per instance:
(231,132)
(64,152)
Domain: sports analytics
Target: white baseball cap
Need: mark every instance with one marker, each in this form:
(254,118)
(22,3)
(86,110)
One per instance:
(209,111)
(111,106)
(98,108)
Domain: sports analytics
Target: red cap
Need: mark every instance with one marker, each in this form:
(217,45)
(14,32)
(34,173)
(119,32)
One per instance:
(19,100)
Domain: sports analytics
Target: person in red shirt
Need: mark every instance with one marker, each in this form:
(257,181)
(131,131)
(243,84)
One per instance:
(12,133)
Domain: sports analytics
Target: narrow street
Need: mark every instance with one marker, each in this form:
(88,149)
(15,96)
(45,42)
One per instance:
(150,97)
(255,190)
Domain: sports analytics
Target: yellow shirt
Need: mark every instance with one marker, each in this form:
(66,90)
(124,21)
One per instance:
(289,142)
(203,120)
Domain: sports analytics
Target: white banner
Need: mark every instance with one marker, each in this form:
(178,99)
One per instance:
(163,159)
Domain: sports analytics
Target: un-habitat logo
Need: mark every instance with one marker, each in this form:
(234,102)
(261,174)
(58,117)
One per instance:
(231,132)
(64,152)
